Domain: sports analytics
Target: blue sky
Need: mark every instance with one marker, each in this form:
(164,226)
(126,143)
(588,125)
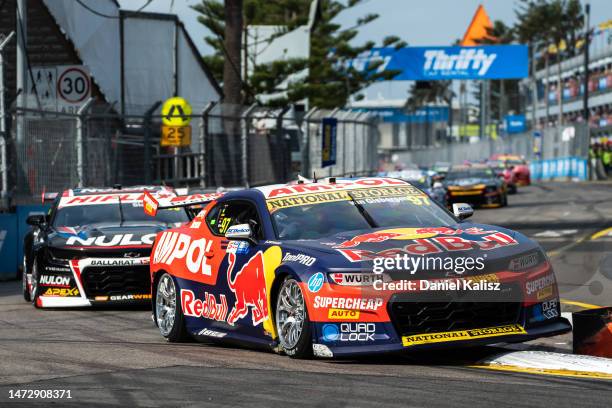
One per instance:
(418,22)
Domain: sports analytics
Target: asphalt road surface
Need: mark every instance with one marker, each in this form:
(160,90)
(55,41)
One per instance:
(116,356)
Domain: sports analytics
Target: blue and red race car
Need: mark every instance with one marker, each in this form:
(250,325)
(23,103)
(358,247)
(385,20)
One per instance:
(340,267)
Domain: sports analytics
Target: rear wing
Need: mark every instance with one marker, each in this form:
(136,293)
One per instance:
(151,205)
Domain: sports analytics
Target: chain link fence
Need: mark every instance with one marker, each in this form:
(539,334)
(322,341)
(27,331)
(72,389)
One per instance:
(231,146)
(549,144)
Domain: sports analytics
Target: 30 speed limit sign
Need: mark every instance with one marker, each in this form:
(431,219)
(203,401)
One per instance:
(73,85)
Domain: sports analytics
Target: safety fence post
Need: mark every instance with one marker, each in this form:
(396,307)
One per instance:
(146,123)
(4,164)
(285,164)
(306,167)
(80,142)
(203,133)
(244,144)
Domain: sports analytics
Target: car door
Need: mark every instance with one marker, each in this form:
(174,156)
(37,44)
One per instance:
(243,277)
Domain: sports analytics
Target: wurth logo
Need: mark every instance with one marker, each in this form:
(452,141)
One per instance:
(465,60)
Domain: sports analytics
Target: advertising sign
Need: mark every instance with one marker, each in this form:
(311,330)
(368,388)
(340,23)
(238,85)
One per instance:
(516,123)
(328,141)
(400,115)
(441,63)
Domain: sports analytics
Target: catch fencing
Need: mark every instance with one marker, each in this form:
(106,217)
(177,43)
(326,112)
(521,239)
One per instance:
(231,146)
(563,148)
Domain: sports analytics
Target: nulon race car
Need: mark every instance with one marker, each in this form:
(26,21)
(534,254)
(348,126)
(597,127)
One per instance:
(93,247)
(295,268)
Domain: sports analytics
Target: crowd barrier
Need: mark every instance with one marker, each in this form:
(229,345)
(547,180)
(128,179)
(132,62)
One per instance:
(565,167)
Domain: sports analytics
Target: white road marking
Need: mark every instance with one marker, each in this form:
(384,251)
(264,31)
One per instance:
(544,360)
(555,234)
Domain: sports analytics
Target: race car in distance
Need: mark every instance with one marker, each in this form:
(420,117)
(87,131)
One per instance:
(93,247)
(292,268)
(476,184)
(425,180)
(517,166)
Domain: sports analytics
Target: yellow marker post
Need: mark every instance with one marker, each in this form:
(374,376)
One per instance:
(176,111)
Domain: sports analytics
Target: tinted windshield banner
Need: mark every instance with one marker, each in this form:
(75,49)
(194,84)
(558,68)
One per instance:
(436,63)
(359,195)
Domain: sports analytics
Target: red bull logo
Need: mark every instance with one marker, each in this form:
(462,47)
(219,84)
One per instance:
(370,237)
(404,234)
(249,286)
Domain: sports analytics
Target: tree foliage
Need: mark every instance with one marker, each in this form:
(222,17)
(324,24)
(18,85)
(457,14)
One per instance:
(330,81)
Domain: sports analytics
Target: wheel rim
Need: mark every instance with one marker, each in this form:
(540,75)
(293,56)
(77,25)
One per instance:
(290,314)
(165,304)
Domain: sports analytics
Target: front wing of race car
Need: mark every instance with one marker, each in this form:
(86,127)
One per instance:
(349,320)
(91,281)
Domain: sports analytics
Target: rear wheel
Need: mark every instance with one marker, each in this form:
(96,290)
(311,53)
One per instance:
(292,323)
(168,313)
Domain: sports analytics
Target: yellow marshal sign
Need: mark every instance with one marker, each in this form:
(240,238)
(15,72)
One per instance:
(176,136)
(176,111)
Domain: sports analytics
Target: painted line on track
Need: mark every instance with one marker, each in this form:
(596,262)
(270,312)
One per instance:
(602,233)
(549,363)
(580,304)
(541,371)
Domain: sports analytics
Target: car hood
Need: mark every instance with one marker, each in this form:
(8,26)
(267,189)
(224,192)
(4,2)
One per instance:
(496,246)
(102,236)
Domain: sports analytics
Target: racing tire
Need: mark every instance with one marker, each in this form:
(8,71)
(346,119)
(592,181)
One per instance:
(35,286)
(168,314)
(24,281)
(291,320)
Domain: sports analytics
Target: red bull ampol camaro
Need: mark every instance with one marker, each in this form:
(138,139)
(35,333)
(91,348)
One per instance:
(341,267)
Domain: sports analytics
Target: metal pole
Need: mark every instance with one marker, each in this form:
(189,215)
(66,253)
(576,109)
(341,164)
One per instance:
(4,168)
(244,144)
(147,141)
(306,167)
(585,100)
(481,130)
(80,142)
(203,130)
(22,29)
(331,115)
(285,162)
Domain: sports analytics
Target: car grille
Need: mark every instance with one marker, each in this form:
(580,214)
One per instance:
(116,280)
(432,317)
(67,254)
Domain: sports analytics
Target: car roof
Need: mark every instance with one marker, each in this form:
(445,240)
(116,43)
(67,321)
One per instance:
(305,186)
(123,190)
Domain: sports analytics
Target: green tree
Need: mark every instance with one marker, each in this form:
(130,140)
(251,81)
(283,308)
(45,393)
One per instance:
(330,80)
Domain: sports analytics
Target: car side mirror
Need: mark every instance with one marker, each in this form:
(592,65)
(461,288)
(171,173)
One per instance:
(240,232)
(463,210)
(36,220)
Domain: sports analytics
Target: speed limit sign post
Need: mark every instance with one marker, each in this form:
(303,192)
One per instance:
(73,85)
(177,136)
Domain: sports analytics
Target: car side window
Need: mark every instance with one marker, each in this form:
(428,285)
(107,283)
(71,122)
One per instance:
(230,213)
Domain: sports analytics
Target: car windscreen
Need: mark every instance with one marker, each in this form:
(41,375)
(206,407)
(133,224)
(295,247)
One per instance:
(468,174)
(362,209)
(76,216)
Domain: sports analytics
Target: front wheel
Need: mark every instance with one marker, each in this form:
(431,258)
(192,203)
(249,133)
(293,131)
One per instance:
(25,281)
(168,313)
(292,322)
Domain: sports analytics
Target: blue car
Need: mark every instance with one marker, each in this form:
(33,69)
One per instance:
(340,267)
